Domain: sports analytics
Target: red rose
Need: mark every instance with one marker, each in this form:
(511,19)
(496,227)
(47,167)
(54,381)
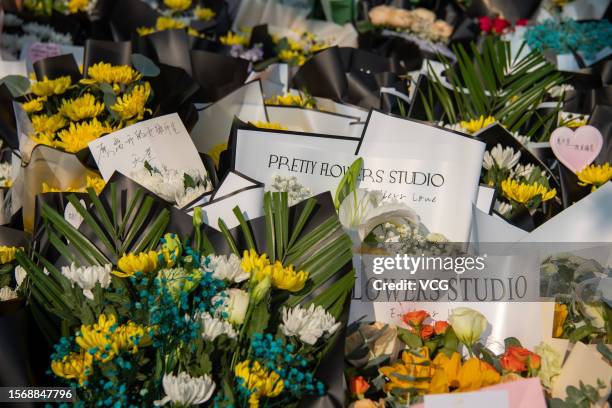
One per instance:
(427,331)
(415,318)
(500,24)
(521,22)
(440,326)
(359,385)
(486,24)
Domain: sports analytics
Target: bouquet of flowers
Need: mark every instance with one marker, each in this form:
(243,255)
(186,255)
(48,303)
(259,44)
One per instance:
(151,317)
(392,366)
(177,14)
(420,22)
(68,114)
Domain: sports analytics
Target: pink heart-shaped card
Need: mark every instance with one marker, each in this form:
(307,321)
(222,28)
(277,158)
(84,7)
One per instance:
(576,149)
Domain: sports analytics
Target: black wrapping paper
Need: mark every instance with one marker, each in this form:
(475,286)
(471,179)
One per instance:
(347,75)
(217,75)
(8,126)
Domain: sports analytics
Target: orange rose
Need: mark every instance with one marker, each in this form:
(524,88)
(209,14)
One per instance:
(415,318)
(427,331)
(359,385)
(440,326)
(534,361)
(518,359)
(512,364)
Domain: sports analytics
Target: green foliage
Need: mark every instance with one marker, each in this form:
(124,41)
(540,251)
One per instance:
(487,82)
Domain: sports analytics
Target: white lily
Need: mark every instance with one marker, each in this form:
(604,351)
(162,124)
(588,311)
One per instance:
(364,210)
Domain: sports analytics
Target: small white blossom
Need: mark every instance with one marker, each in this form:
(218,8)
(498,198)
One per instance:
(7,293)
(524,140)
(502,207)
(170,184)
(226,268)
(86,277)
(308,324)
(20,275)
(559,90)
(182,389)
(505,158)
(213,328)
(296,192)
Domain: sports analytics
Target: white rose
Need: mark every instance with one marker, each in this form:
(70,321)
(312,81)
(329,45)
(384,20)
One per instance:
(468,324)
(235,304)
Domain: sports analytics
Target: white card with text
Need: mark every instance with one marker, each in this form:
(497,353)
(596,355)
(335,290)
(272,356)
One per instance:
(162,142)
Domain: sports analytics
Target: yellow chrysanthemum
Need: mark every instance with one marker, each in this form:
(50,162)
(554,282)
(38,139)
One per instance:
(74,366)
(143,262)
(177,5)
(104,340)
(292,56)
(168,23)
(204,13)
(474,125)
(83,107)
(215,152)
(43,139)
(318,47)
(290,99)
(294,45)
(286,278)
(34,105)
(111,74)
(269,125)
(74,6)
(7,253)
(48,87)
(47,124)
(142,31)
(523,193)
(595,175)
(131,106)
(253,262)
(233,39)
(576,123)
(96,182)
(261,383)
(78,135)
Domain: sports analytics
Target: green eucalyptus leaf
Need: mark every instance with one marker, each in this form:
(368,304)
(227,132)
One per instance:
(144,65)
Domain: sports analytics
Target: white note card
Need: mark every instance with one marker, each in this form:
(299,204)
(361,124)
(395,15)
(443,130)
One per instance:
(479,399)
(163,142)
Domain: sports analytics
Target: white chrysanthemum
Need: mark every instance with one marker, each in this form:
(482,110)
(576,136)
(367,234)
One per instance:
(296,192)
(46,33)
(226,268)
(505,158)
(213,328)
(86,277)
(559,90)
(170,184)
(7,293)
(182,389)
(502,207)
(11,20)
(454,126)
(190,194)
(524,140)
(20,275)
(308,324)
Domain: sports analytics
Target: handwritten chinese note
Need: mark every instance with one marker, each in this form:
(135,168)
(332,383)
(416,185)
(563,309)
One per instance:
(161,142)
